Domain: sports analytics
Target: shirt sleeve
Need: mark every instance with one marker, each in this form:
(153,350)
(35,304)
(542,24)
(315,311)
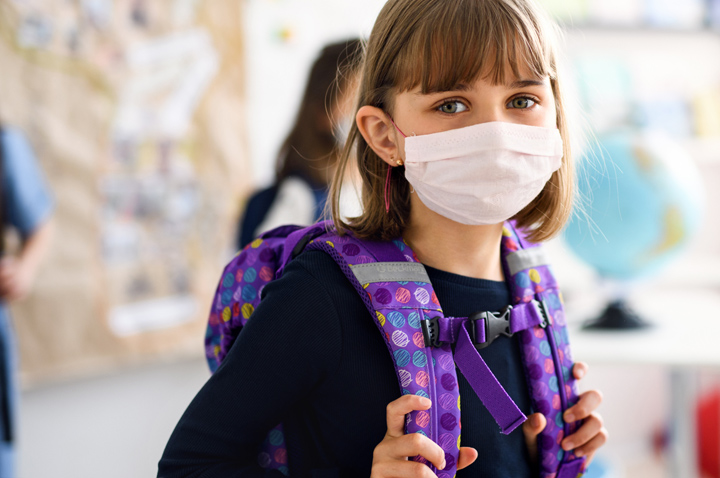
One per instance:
(290,344)
(26,196)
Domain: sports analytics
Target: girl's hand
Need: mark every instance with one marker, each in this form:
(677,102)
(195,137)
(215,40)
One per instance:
(588,438)
(390,458)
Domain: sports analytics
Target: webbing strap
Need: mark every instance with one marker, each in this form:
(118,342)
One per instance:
(522,316)
(490,392)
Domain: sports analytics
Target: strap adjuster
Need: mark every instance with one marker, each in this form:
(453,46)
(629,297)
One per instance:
(542,306)
(496,324)
(431,332)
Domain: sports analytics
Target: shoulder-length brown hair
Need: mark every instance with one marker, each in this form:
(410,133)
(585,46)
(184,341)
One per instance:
(437,45)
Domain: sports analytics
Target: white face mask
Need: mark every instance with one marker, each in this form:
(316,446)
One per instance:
(482,174)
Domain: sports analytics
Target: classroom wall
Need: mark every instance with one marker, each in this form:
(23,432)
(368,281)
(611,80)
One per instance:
(135,111)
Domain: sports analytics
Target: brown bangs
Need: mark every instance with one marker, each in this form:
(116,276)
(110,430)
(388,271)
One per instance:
(468,39)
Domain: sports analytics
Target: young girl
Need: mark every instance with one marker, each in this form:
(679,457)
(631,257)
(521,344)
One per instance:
(460,126)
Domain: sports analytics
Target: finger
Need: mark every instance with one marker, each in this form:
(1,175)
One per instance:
(590,427)
(580,369)
(397,409)
(589,448)
(414,444)
(531,429)
(588,403)
(534,425)
(467,457)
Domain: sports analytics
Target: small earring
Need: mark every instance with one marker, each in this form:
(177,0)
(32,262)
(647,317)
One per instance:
(399,162)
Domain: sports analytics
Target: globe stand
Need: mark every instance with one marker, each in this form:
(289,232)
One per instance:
(617,316)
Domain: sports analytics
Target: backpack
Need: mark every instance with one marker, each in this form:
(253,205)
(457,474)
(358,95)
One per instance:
(397,293)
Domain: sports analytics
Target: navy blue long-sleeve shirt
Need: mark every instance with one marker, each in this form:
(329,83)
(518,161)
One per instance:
(312,358)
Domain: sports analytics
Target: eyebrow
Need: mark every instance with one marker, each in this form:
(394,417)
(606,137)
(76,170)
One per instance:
(458,87)
(514,85)
(525,83)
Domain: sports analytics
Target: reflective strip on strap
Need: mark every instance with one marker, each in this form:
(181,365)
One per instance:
(526,259)
(390,272)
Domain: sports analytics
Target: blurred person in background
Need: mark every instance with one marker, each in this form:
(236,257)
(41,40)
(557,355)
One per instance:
(308,156)
(25,205)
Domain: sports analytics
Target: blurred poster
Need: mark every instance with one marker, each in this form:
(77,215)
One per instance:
(151,185)
(136,111)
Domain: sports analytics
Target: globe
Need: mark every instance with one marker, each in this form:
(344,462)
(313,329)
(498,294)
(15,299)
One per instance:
(641,200)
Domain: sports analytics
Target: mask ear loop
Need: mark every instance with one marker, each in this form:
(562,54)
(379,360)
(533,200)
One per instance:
(389,171)
(387,190)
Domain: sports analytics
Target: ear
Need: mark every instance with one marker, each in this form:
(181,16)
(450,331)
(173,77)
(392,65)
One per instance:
(377,129)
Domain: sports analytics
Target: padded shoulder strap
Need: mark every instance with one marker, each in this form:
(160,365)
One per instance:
(546,350)
(397,292)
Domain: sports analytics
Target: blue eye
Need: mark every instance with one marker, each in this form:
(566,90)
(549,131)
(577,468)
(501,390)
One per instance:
(521,103)
(452,107)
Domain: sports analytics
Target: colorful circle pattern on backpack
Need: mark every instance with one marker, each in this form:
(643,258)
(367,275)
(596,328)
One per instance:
(552,387)
(401,307)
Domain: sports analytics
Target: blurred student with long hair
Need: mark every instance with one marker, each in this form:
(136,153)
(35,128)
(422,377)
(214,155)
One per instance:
(307,158)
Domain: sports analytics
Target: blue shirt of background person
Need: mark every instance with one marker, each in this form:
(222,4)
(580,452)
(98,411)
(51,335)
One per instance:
(26,207)
(26,197)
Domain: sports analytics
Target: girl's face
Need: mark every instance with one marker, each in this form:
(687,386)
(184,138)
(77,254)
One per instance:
(526,100)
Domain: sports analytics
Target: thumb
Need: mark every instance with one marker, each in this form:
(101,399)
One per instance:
(531,429)
(467,457)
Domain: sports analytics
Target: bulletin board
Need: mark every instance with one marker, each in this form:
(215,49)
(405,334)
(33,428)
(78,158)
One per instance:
(135,110)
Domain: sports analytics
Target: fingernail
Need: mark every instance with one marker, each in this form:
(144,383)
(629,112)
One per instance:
(444,464)
(579,373)
(568,445)
(425,401)
(535,421)
(569,417)
(579,454)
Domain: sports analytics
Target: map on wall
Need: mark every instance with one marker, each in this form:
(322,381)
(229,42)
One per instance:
(134,108)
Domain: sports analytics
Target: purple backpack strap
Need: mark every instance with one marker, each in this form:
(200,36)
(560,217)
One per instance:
(545,349)
(398,294)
